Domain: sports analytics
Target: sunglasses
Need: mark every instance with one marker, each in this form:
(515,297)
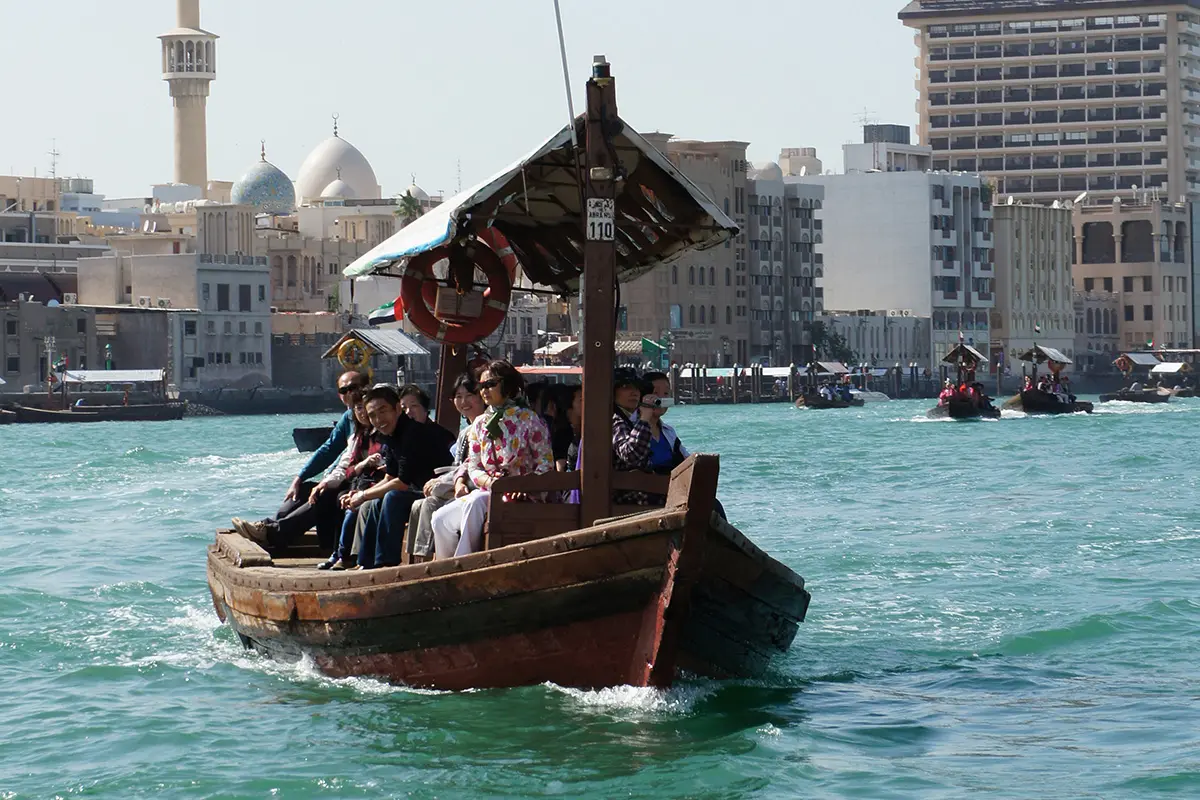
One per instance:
(348,389)
(492,384)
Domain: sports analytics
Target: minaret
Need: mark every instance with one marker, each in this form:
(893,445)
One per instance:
(189,64)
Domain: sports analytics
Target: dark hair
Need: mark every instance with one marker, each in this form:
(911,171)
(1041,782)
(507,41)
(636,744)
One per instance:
(417,392)
(466,381)
(360,378)
(382,392)
(625,376)
(535,391)
(561,395)
(651,377)
(511,382)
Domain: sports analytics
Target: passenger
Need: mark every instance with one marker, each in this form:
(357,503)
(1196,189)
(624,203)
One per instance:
(508,440)
(301,509)
(560,398)
(1028,386)
(534,397)
(631,433)
(413,450)
(947,393)
(440,490)
(360,468)
(415,403)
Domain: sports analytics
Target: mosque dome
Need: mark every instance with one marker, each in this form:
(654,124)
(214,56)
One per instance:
(266,187)
(334,159)
(418,193)
(767,171)
(338,190)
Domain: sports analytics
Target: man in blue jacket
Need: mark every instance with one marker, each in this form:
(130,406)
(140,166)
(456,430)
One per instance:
(297,514)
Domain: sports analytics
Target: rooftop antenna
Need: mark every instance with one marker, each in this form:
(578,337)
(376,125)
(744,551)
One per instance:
(868,118)
(54,154)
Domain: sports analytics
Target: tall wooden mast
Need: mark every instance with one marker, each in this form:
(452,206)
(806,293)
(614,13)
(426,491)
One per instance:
(597,337)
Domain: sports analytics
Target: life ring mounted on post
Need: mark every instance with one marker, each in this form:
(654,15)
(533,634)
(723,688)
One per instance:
(353,354)
(419,291)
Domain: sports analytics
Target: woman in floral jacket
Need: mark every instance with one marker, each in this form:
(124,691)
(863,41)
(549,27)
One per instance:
(505,441)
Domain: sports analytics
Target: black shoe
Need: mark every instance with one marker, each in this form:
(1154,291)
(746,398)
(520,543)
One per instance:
(331,563)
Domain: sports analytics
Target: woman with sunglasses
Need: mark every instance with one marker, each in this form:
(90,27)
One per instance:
(507,440)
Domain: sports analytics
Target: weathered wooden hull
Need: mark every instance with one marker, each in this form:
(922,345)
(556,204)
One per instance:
(309,439)
(959,410)
(7,417)
(816,401)
(591,608)
(1184,393)
(139,413)
(1135,397)
(1035,402)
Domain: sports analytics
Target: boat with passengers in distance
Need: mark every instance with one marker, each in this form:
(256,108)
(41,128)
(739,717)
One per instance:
(93,404)
(965,398)
(827,385)
(589,594)
(1037,396)
(1135,391)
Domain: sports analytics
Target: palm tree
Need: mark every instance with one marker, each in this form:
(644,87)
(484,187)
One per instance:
(409,208)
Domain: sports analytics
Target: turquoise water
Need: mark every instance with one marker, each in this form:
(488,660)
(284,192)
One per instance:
(1006,607)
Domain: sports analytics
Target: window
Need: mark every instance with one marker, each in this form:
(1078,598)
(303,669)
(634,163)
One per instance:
(1147,313)
(676,317)
(258,329)
(728,276)
(222,297)
(702,315)
(691,276)
(212,326)
(241,328)
(1108,284)
(691,315)
(1147,284)
(204,295)
(674,274)
(189,327)
(258,358)
(1089,284)
(1127,284)
(262,293)
(244,297)
(13,364)
(228,358)
(728,315)
(241,358)
(1129,313)
(712,276)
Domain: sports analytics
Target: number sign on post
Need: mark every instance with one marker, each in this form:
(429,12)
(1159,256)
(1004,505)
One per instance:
(601,219)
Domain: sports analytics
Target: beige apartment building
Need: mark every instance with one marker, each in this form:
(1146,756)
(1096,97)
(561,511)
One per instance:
(1034,302)
(1052,98)
(700,301)
(1143,253)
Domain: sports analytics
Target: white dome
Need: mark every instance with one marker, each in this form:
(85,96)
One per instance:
(338,190)
(418,193)
(767,171)
(322,166)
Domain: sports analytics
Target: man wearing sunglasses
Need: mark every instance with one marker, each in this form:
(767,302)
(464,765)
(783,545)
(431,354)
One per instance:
(323,511)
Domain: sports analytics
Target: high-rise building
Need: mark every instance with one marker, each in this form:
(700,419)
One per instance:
(189,66)
(1054,97)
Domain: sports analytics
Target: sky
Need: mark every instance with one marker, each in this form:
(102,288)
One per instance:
(449,91)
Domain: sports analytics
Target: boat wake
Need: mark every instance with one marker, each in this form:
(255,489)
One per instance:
(640,701)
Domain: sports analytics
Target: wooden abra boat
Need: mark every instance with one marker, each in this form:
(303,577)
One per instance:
(581,594)
(817,401)
(626,601)
(1128,395)
(150,412)
(1035,401)
(309,439)
(7,416)
(970,403)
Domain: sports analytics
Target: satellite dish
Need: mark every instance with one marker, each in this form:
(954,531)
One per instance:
(1011,200)
(803,171)
(1081,198)
(1055,204)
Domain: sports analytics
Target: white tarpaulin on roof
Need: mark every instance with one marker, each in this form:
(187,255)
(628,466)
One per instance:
(113,376)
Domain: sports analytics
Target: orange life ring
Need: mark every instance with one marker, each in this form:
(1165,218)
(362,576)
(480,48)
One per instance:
(418,287)
(502,248)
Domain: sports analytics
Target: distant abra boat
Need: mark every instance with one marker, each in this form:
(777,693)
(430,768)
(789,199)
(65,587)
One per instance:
(1034,400)
(82,411)
(965,399)
(837,396)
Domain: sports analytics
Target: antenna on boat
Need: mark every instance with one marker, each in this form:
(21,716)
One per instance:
(562,50)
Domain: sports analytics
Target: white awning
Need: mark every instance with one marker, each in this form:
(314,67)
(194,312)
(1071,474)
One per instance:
(555,349)
(1169,368)
(113,376)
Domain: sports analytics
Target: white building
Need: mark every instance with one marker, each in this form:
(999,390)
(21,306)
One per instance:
(915,242)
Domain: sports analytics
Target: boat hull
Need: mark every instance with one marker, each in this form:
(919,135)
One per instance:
(816,401)
(1035,402)
(960,410)
(1135,397)
(309,439)
(141,413)
(590,608)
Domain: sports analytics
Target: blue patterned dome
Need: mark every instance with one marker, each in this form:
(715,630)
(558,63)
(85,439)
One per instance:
(267,188)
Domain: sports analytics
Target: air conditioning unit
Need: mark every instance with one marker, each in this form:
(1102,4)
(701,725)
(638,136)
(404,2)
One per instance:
(143,302)
(163,302)
(70,298)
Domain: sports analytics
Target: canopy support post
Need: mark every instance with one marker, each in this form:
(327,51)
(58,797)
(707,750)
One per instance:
(452,362)
(599,334)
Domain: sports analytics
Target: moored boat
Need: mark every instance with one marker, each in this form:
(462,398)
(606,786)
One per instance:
(1136,395)
(582,594)
(84,411)
(7,417)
